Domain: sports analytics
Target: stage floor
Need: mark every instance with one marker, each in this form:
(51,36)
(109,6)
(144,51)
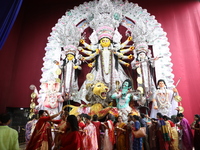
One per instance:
(22,146)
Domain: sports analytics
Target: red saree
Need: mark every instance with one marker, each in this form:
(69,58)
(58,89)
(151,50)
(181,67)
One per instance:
(97,125)
(71,141)
(41,138)
(120,136)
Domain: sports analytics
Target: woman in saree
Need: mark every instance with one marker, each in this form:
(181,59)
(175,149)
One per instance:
(162,133)
(186,133)
(109,137)
(72,138)
(120,134)
(42,137)
(137,142)
(61,128)
(97,124)
(173,133)
(196,127)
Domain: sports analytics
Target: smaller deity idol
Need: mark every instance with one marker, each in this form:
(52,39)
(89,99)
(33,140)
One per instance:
(69,65)
(144,65)
(49,98)
(123,98)
(163,100)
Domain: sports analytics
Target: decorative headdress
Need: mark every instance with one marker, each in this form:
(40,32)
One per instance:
(71,39)
(70,49)
(104,20)
(140,38)
(141,47)
(105,31)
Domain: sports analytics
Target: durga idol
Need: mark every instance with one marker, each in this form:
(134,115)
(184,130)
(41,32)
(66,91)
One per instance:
(106,56)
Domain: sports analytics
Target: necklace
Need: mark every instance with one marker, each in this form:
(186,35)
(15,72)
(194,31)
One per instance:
(162,97)
(106,61)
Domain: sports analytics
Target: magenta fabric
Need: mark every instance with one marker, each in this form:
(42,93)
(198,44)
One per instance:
(187,137)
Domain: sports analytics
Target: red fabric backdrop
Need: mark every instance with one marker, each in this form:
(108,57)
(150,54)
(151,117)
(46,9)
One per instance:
(21,57)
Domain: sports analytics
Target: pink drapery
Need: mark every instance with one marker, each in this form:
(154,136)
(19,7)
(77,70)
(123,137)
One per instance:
(21,57)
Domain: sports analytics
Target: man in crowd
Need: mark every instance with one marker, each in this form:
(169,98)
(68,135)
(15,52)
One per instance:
(8,136)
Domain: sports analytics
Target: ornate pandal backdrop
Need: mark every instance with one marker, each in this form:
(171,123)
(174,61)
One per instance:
(90,22)
(130,20)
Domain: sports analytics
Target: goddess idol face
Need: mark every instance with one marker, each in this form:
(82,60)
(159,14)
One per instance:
(105,42)
(142,56)
(70,56)
(161,84)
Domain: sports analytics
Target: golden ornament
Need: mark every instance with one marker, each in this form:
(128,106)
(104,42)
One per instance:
(117,82)
(65,107)
(139,80)
(139,71)
(32,105)
(58,71)
(90,76)
(32,110)
(31,114)
(33,95)
(117,85)
(178,98)
(140,89)
(181,109)
(58,80)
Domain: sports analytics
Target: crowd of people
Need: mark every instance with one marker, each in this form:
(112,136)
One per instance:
(84,132)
